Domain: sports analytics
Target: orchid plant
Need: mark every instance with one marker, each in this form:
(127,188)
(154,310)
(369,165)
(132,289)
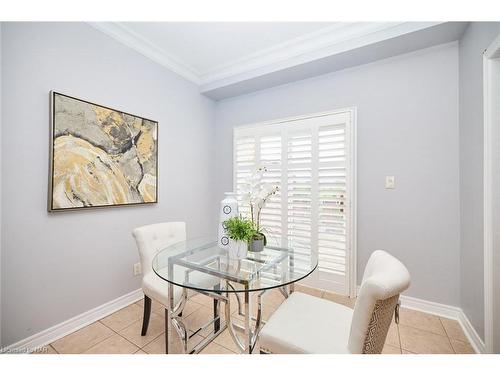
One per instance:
(256,193)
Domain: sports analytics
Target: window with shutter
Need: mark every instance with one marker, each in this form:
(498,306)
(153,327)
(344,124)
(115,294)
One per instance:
(311,159)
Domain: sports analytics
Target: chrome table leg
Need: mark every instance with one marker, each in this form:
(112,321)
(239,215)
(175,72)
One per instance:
(168,313)
(248,332)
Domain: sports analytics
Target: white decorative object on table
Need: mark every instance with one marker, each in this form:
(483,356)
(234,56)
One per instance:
(228,209)
(238,249)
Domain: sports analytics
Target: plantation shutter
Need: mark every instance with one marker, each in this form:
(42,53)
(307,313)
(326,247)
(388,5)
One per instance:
(299,189)
(310,160)
(270,157)
(245,161)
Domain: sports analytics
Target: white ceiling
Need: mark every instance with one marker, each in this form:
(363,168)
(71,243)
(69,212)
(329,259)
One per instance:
(232,58)
(206,47)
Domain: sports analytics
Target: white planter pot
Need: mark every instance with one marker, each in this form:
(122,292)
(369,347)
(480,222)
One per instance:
(237,249)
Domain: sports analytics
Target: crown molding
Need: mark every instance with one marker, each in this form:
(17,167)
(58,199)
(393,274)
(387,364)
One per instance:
(338,38)
(131,39)
(314,46)
(300,46)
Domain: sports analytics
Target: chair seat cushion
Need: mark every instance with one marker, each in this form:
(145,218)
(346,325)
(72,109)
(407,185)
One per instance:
(157,288)
(307,324)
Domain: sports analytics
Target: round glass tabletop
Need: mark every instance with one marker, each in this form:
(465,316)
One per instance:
(201,265)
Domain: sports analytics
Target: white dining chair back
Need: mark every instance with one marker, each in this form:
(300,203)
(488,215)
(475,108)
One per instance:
(307,324)
(152,238)
(385,277)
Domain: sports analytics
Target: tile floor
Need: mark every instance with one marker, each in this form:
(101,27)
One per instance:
(119,333)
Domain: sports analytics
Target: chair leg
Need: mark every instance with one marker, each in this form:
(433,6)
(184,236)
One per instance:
(216,312)
(147,314)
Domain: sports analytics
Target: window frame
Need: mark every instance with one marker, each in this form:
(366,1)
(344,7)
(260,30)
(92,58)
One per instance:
(351,143)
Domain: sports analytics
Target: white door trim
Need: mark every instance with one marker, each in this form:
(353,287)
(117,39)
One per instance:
(491,53)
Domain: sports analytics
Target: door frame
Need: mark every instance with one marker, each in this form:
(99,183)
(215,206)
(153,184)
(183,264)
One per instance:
(489,97)
(351,287)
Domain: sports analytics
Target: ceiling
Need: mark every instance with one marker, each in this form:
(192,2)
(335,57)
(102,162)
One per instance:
(227,59)
(206,47)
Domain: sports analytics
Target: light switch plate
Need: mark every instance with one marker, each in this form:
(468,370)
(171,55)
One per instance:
(389,182)
(137,269)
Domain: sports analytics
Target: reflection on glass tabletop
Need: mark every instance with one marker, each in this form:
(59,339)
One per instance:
(201,265)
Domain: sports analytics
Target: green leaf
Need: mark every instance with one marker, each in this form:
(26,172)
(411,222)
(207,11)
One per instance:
(239,229)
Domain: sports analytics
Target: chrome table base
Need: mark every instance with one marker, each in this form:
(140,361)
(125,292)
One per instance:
(249,331)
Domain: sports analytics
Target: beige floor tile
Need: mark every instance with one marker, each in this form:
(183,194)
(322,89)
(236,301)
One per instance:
(423,342)
(156,306)
(123,318)
(155,329)
(343,300)
(406,352)
(417,333)
(191,307)
(113,345)
(225,340)
(267,311)
(209,302)
(199,318)
(273,298)
(308,290)
(389,349)
(203,300)
(461,347)
(454,330)
(214,348)
(157,346)
(420,320)
(159,309)
(47,349)
(393,336)
(82,339)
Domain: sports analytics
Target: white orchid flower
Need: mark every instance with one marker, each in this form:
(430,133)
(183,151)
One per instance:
(246,197)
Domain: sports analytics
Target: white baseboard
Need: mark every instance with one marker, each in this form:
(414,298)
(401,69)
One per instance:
(446,311)
(475,340)
(51,334)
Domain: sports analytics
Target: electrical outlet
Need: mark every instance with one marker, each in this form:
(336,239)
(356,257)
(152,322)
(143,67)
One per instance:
(137,269)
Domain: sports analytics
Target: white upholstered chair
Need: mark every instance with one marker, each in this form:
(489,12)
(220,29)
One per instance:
(150,239)
(307,324)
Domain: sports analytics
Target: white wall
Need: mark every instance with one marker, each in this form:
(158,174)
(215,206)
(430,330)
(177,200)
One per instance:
(407,127)
(475,40)
(58,265)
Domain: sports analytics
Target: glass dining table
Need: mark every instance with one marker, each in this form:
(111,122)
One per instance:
(200,265)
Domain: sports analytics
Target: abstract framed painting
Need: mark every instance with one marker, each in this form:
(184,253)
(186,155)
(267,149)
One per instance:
(100,156)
